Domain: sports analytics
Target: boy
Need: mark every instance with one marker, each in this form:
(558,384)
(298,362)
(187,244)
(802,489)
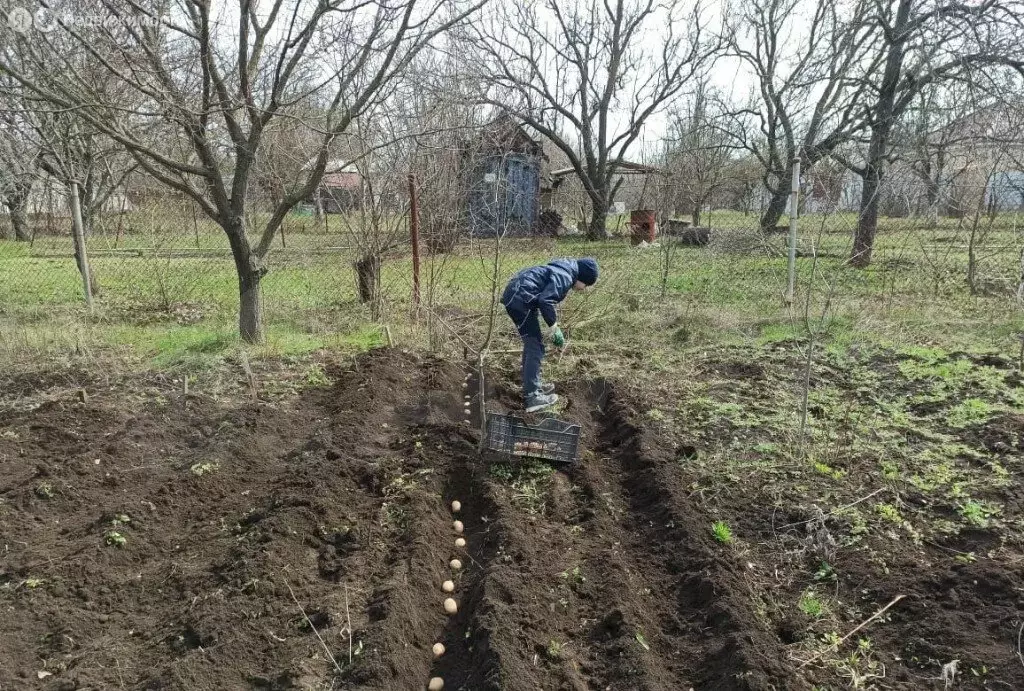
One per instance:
(534,291)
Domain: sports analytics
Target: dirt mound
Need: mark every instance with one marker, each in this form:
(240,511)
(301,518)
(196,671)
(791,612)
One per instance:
(909,491)
(160,545)
(181,542)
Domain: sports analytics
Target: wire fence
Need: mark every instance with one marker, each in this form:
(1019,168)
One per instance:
(169,265)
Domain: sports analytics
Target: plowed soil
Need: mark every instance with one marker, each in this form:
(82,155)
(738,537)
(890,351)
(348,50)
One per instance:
(180,542)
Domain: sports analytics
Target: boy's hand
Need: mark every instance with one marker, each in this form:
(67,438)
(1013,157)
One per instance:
(557,337)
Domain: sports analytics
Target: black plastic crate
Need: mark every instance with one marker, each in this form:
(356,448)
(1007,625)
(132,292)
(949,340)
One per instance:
(551,440)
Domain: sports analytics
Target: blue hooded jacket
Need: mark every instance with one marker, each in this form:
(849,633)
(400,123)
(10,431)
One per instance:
(543,287)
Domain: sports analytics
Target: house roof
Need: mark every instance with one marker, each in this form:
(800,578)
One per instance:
(350,180)
(335,165)
(995,122)
(623,168)
(505,135)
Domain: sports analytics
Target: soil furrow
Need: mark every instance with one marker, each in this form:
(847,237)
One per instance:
(705,640)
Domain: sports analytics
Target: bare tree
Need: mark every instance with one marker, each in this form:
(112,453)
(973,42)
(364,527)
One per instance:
(743,181)
(17,174)
(588,76)
(69,150)
(930,140)
(808,100)
(445,128)
(211,81)
(698,154)
(85,163)
(925,44)
(379,222)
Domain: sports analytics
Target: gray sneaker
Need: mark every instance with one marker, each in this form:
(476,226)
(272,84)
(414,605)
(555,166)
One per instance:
(546,388)
(540,401)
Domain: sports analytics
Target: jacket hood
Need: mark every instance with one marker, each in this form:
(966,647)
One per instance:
(588,270)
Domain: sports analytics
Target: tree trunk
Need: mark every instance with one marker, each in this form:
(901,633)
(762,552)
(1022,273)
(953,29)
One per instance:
(250,273)
(89,212)
(932,200)
(250,305)
(776,207)
(17,203)
(867,223)
(598,228)
(695,214)
(931,190)
(20,223)
(368,278)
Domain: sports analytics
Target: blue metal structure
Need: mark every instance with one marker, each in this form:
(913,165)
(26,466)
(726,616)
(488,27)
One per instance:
(504,197)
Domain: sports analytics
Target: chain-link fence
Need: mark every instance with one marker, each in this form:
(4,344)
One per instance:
(170,265)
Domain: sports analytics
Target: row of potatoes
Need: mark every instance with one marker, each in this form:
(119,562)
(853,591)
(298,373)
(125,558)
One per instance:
(451,607)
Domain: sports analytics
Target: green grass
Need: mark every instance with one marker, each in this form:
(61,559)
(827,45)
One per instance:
(811,605)
(721,532)
(169,306)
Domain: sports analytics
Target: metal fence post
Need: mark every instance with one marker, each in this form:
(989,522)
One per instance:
(794,207)
(79,238)
(414,229)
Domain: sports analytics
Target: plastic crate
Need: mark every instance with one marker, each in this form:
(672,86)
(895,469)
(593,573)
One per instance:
(551,440)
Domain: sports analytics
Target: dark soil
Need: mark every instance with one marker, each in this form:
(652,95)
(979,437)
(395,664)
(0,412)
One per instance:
(302,544)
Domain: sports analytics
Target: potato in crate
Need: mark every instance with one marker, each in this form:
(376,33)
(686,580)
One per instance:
(551,439)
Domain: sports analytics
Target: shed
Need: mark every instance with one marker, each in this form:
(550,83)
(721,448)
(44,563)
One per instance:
(634,184)
(504,181)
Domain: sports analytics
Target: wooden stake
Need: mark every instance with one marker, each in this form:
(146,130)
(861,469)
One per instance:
(483,403)
(79,237)
(249,374)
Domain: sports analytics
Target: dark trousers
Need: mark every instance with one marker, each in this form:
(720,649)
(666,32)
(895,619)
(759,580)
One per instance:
(527,323)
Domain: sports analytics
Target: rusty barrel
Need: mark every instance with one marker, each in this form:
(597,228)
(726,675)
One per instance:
(643,224)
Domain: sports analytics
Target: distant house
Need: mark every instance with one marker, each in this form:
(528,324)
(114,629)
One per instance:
(518,173)
(983,158)
(340,190)
(974,162)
